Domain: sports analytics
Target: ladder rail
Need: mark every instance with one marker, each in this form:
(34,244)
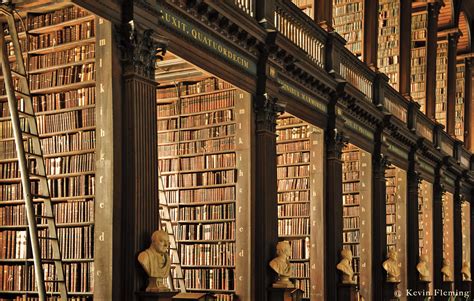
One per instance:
(25,180)
(166,225)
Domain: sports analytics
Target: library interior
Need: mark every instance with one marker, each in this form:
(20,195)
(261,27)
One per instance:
(236,150)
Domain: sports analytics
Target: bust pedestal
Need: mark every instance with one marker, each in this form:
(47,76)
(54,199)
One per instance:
(285,294)
(347,292)
(174,296)
(390,291)
(162,296)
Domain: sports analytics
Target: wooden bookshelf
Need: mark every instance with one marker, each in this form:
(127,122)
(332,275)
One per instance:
(306,6)
(300,201)
(442,82)
(356,190)
(466,231)
(448,228)
(388,58)
(419,29)
(425,222)
(63,85)
(459,108)
(199,128)
(396,195)
(348,21)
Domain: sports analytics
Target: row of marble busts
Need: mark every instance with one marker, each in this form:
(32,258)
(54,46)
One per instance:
(391,266)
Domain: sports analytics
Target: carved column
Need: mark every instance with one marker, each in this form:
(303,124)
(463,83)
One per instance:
(265,206)
(139,146)
(370,40)
(451,83)
(438,192)
(405,48)
(413,244)
(335,141)
(431,48)
(323,13)
(380,162)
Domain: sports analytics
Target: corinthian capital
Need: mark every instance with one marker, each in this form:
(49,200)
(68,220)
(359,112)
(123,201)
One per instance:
(140,48)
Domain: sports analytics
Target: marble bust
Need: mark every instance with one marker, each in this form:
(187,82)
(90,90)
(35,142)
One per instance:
(345,266)
(156,262)
(466,271)
(446,271)
(423,269)
(391,267)
(281,265)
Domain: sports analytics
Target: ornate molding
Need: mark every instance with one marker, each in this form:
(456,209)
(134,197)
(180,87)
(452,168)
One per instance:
(267,110)
(140,49)
(335,141)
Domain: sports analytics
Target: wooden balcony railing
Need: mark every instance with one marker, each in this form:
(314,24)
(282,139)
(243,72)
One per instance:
(357,73)
(295,25)
(465,158)
(446,144)
(395,103)
(247,6)
(424,127)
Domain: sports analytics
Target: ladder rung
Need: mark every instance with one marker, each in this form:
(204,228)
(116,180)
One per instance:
(26,114)
(22,94)
(45,216)
(47,238)
(50,260)
(18,73)
(32,155)
(29,135)
(39,196)
(38,176)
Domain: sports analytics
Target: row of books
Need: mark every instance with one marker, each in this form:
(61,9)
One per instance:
(198,104)
(293,196)
(210,84)
(73,55)
(291,184)
(63,76)
(218,194)
(214,117)
(351,236)
(74,242)
(77,211)
(209,278)
(65,35)
(13,191)
(21,278)
(69,142)
(211,161)
(214,231)
(206,133)
(350,187)
(70,164)
(293,158)
(207,254)
(293,210)
(300,248)
(459,108)
(292,133)
(294,226)
(292,147)
(204,212)
(304,285)
(72,186)
(350,199)
(200,178)
(350,211)
(300,269)
(350,175)
(287,120)
(351,222)
(198,147)
(293,171)
(66,121)
(56,17)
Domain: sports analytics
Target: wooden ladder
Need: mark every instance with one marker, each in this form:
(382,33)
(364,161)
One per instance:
(176,273)
(31,163)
